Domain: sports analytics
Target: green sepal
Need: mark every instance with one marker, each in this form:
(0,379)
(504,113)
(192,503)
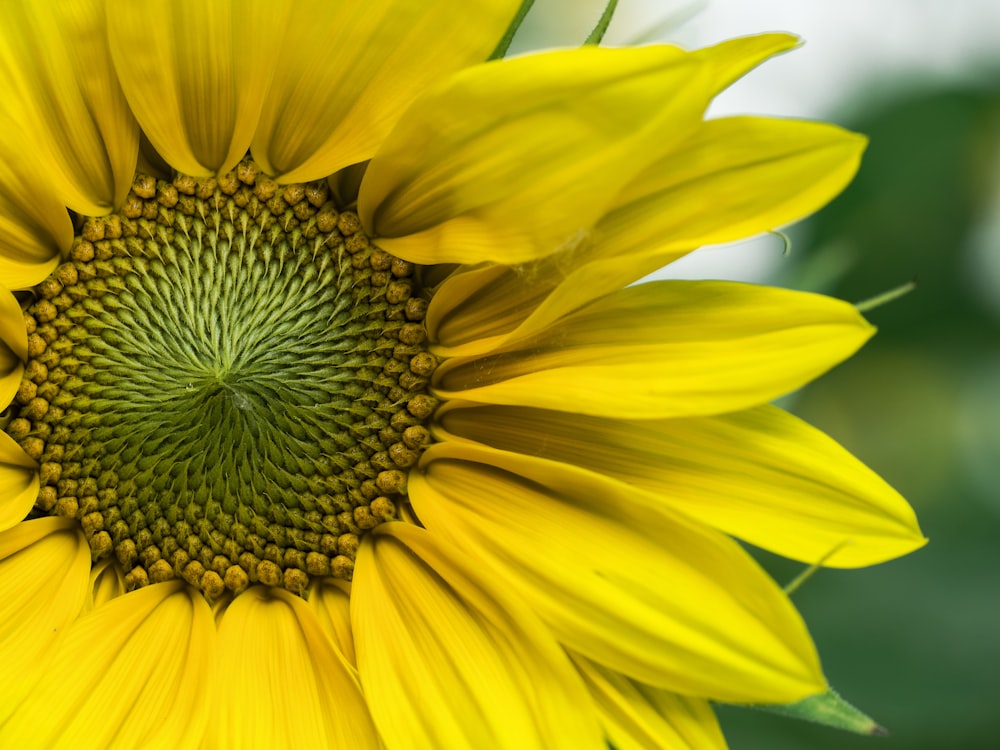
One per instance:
(830,710)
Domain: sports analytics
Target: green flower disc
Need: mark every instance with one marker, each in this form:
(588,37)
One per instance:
(226,383)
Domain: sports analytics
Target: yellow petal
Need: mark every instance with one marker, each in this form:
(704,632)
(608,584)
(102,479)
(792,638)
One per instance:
(286,686)
(13,347)
(447,661)
(474,307)
(106,583)
(734,178)
(346,72)
(666,349)
(518,158)
(577,287)
(196,74)
(681,607)
(462,322)
(13,336)
(477,310)
(330,600)
(134,672)
(639,717)
(18,482)
(43,581)
(761,475)
(63,90)
(34,224)
(733,58)
(27,264)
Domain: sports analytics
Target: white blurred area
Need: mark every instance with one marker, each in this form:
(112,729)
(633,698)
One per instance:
(883,46)
(847,43)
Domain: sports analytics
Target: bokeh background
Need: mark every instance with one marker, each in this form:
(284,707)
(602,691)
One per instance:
(915,642)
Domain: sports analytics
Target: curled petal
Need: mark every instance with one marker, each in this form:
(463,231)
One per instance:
(107,582)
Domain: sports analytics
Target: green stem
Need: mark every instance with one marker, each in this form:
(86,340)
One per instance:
(508,36)
(602,25)
(886,297)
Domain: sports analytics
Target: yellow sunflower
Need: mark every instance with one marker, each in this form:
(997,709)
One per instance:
(332,419)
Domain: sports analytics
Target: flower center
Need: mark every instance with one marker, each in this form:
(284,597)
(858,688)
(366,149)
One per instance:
(226,383)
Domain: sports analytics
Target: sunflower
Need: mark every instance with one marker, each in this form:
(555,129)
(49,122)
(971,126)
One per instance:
(333,417)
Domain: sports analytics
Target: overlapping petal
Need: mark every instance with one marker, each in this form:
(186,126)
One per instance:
(733,178)
(196,74)
(13,347)
(347,71)
(61,88)
(450,636)
(330,599)
(18,482)
(34,224)
(684,348)
(474,309)
(134,672)
(638,717)
(448,661)
(736,176)
(286,686)
(761,475)
(674,605)
(473,172)
(107,582)
(44,566)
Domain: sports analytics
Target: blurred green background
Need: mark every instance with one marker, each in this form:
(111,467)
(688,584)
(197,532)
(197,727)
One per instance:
(914,642)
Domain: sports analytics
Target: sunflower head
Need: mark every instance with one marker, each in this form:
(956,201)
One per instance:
(333,416)
(227,438)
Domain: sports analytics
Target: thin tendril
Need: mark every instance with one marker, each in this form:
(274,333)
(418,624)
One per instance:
(787,249)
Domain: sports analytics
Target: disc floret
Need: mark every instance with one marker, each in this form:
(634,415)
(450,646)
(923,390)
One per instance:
(226,383)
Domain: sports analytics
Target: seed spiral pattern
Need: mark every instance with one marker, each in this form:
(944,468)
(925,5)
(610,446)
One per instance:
(226,383)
